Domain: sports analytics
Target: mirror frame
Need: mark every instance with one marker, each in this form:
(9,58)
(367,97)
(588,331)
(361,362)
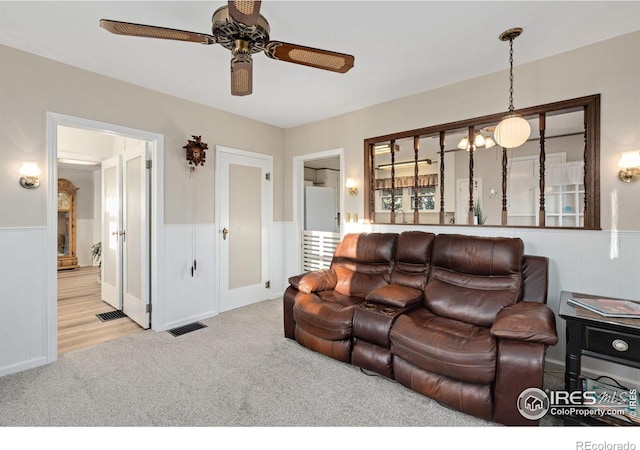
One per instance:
(589,104)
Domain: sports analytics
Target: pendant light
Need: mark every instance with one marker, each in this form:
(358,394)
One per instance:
(513,130)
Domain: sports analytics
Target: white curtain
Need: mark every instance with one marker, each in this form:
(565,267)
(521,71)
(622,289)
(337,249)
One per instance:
(559,174)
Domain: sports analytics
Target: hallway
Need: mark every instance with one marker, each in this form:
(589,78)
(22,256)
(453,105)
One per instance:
(78,303)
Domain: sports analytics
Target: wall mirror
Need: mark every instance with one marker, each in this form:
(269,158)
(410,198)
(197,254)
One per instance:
(455,173)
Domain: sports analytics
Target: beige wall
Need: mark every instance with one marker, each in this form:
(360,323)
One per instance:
(33,86)
(606,68)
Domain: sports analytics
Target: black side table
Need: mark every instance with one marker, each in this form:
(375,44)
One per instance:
(616,340)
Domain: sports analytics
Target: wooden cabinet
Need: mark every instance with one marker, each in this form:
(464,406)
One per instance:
(67,258)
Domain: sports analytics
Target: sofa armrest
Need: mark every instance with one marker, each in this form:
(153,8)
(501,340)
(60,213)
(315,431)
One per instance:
(526,321)
(535,274)
(395,295)
(318,280)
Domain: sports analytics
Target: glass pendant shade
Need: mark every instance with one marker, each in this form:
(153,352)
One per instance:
(512,131)
(478,141)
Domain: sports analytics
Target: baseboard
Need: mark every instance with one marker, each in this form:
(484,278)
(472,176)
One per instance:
(553,365)
(276,295)
(188,320)
(25,365)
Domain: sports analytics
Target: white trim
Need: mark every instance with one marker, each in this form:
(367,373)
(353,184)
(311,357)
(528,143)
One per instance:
(157,218)
(267,271)
(298,197)
(10,229)
(51,258)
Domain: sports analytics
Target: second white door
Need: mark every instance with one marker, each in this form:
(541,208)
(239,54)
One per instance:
(244,214)
(126,233)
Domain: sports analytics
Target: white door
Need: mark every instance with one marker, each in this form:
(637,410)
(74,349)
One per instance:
(462,198)
(523,188)
(135,235)
(320,213)
(125,230)
(111,226)
(521,191)
(244,214)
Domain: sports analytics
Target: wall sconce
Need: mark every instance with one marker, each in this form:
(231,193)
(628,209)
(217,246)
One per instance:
(351,185)
(30,173)
(629,166)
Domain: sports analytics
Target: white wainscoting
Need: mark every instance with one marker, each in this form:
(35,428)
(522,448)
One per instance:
(189,298)
(24,296)
(594,262)
(277,258)
(23,299)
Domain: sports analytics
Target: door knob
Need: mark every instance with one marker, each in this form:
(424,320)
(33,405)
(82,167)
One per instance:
(224,233)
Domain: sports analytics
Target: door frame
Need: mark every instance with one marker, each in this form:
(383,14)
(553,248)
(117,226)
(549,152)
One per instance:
(217,212)
(463,184)
(156,253)
(298,195)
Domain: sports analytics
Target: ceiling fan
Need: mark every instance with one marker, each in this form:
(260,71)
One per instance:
(239,27)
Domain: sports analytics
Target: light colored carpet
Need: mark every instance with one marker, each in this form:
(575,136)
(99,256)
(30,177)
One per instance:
(238,372)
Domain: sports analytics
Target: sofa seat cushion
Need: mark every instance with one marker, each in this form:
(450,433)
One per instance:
(326,314)
(458,350)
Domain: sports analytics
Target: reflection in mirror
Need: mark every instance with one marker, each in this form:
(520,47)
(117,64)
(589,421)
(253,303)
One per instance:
(63,233)
(456,174)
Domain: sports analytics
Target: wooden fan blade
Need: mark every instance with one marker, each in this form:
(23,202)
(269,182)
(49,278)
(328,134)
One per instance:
(308,56)
(149,31)
(245,11)
(241,75)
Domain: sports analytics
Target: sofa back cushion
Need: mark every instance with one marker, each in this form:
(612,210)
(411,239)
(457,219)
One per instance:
(413,259)
(363,262)
(472,278)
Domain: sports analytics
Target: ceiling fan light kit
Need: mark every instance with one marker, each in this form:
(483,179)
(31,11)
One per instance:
(513,130)
(240,28)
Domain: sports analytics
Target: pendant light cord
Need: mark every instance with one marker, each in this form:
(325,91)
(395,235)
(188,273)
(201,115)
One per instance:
(511,75)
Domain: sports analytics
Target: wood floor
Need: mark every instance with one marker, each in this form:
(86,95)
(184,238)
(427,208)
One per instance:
(78,303)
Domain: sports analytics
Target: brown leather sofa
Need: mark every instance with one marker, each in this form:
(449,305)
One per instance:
(460,319)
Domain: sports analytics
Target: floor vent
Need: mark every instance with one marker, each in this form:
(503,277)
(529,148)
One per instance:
(179,331)
(111,315)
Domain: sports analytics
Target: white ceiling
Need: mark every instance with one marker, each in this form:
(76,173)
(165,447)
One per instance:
(400,48)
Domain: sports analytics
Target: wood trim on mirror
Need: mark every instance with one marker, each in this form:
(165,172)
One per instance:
(590,219)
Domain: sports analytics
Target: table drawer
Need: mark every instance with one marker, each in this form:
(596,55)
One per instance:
(612,343)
